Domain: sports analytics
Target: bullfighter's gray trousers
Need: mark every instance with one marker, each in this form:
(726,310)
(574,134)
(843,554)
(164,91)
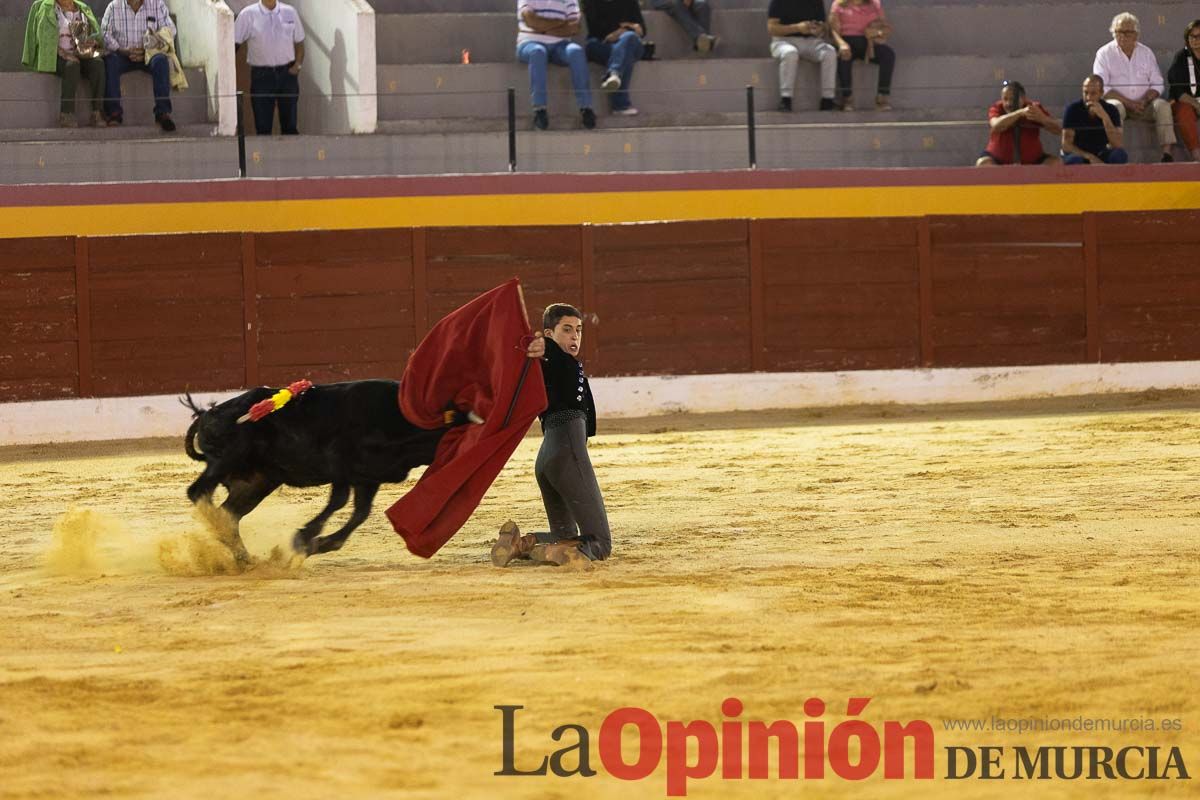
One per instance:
(574,505)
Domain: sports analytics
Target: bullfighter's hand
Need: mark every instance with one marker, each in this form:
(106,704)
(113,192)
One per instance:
(537,348)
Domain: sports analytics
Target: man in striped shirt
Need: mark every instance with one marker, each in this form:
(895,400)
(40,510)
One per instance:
(544,32)
(124,25)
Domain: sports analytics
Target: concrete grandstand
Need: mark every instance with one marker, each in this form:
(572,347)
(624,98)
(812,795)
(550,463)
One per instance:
(392,69)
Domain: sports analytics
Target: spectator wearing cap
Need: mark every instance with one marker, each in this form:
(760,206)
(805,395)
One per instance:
(274,39)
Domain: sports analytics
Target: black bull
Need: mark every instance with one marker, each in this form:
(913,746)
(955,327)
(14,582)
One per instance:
(351,435)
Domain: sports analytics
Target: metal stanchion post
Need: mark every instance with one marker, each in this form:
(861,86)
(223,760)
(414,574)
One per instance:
(241,137)
(751,143)
(512,129)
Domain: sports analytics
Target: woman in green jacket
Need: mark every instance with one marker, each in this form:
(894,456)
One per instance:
(50,47)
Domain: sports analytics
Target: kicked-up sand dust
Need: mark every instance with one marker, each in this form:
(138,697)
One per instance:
(88,543)
(1029,560)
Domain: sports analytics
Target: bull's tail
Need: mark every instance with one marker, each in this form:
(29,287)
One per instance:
(187,402)
(191,442)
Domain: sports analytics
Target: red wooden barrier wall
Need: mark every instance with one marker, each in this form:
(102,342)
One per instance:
(671,293)
(166,313)
(1148,281)
(117,316)
(39,353)
(332,305)
(1008,291)
(841,294)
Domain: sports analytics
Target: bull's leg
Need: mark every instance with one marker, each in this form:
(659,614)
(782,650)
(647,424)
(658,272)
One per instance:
(244,497)
(364,496)
(246,494)
(204,486)
(338,495)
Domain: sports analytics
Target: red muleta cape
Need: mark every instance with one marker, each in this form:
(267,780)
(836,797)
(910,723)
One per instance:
(472,358)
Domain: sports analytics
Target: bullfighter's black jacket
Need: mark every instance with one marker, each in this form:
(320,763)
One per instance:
(567,388)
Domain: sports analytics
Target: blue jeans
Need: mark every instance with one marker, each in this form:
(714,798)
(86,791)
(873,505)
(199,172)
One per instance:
(696,20)
(618,57)
(1114,155)
(564,53)
(117,64)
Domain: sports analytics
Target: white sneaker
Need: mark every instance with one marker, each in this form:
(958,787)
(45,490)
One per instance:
(611,82)
(625,112)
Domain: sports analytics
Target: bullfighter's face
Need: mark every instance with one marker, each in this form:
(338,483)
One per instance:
(568,334)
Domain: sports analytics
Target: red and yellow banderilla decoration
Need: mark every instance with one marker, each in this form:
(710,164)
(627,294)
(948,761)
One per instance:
(275,401)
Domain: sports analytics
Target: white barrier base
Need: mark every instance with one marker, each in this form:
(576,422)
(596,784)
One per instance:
(142,417)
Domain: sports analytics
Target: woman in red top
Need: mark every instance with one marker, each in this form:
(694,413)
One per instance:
(1015,114)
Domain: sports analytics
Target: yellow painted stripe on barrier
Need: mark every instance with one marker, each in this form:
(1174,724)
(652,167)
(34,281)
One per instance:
(595,207)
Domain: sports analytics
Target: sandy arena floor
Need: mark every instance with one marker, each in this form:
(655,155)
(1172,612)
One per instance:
(1026,560)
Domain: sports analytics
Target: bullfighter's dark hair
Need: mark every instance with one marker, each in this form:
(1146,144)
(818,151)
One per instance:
(555,312)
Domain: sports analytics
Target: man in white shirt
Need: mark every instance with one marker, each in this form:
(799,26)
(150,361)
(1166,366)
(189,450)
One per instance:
(1134,81)
(124,26)
(275,53)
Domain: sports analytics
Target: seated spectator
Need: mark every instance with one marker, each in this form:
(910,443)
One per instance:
(50,46)
(1183,81)
(859,30)
(1092,128)
(695,17)
(1130,71)
(544,31)
(1013,116)
(125,25)
(615,31)
(798,29)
